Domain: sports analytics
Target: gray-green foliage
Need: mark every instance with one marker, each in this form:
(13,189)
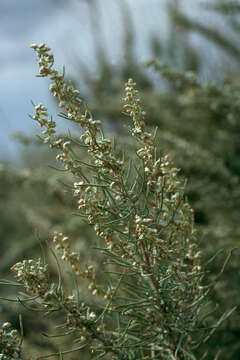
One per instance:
(150,296)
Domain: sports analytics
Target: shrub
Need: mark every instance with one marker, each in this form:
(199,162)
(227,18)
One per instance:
(148,299)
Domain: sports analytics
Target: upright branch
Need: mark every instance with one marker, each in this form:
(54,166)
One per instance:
(136,205)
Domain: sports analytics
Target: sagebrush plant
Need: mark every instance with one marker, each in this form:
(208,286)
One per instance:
(149,304)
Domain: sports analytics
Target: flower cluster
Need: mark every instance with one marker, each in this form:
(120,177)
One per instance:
(133,108)
(10,343)
(68,97)
(33,274)
(78,316)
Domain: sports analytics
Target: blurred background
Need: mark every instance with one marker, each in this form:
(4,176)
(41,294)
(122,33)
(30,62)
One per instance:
(190,91)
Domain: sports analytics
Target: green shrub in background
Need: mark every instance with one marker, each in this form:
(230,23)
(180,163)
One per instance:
(148,300)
